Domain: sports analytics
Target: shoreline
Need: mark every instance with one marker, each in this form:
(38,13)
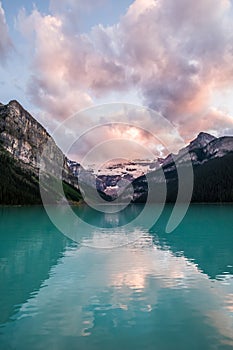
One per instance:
(78,204)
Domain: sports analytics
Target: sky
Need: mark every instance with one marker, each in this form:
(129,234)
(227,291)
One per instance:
(59,57)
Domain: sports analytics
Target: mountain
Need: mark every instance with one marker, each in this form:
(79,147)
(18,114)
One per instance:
(196,150)
(212,161)
(22,140)
(202,149)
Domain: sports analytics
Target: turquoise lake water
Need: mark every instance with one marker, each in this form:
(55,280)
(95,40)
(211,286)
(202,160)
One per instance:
(158,291)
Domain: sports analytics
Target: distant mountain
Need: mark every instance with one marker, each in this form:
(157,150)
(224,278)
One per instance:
(196,150)
(22,140)
(212,161)
(202,149)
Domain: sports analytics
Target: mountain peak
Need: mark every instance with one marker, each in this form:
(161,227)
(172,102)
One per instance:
(15,103)
(202,139)
(205,135)
(11,103)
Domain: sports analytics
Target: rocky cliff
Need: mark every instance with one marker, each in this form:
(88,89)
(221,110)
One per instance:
(21,134)
(22,141)
(23,137)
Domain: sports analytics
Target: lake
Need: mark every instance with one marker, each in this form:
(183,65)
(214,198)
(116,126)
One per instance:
(155,290)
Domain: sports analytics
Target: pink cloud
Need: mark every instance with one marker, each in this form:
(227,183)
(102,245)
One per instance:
(214,121)
(66,68)
(176,54)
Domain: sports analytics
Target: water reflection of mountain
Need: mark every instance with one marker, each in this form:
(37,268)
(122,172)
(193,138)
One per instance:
(108,220)
(205,236)
(29,247)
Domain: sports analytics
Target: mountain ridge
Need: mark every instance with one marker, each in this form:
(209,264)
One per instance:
(212,164)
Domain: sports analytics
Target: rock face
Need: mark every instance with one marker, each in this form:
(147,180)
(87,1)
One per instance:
(21,134)
(23,142)
(25,139)
(219,147)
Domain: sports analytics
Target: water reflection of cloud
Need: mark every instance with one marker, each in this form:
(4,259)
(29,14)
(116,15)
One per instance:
(90,284)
